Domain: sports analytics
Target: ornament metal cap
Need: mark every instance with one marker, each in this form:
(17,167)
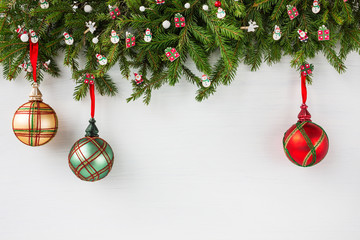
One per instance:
(92,130)
(304,114)
(35,95)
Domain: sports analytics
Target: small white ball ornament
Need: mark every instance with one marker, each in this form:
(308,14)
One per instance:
(88,8)
(142,9)
(24,38)
(187,5)
(95,40)
(205,7)
(166,24)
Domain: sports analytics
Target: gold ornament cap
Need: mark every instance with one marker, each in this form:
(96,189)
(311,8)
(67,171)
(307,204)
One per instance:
(35,94)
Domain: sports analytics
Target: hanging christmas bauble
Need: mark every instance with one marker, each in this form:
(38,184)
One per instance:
(166,24)
(187,5)
(24,37)
(35,123)
(205,7)
(305,143)
(142,9)
(88,8)
(217,4)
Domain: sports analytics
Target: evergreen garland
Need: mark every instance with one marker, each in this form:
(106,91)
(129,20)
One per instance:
(204,35)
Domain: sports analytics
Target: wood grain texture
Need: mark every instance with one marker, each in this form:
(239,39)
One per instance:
(186,170)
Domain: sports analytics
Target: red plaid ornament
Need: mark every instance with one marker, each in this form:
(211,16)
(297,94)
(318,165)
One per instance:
(91,158)
(172,54)
(179,20)
(323,33)
(130,40)
(292,11)
(306,69)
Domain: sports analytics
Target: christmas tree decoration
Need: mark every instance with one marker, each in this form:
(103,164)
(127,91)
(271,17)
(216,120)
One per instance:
(305,143)
(179,20)
(114,12)
(26,67)
(68,39)
(44,4)
(91,158)
(316,7)
(46,64)
(166,24)
(130,40)
(91,26)
(217,4)
(35,123)
(323,33)
(138,79)
(33,36)
(172,54)
(205,81)
(292,12)
(114,38)
(205,7)
(306,69)
(22,34)
(277,33)
(221,13)
(252,26)
(88,8)
(303,35)
(102,60)
(142,9)
(160,2)
(95,40)
(187,5)
(148,35)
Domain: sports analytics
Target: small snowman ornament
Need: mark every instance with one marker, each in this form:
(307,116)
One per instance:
(33,36)
(26,67)
(147,35)
(277,33)
(44,4)
(138,79)
(101,59)
(205,81)
(114,38)
(316,7)
(220,13)
(68,39)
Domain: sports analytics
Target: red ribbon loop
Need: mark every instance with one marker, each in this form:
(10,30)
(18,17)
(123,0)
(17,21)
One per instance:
(303,88)
(90,79)
(34,53)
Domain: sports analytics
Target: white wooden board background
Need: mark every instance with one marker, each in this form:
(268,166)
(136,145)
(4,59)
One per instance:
(186,170)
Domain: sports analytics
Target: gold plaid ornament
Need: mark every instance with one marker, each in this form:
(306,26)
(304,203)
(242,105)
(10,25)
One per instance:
(35,123)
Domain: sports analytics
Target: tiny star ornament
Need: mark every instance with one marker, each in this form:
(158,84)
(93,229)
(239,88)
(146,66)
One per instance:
(130,40)
(138,79)
(221,13)
(172,54)
(22,34)
(47,64)
(179,20)
(303,35)
(26,67)
(33,36)
(292,12)
(114,12)
(205,81)
(277,33)
(148,35)
(114,38)
(102,60)
(323,33)
(91,26)
(44,4)
(316,7)
(160,2)
(252,26)
(68,39)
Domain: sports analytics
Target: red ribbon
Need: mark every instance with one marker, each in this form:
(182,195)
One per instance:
(303,88)
(34,53)
(92,96)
